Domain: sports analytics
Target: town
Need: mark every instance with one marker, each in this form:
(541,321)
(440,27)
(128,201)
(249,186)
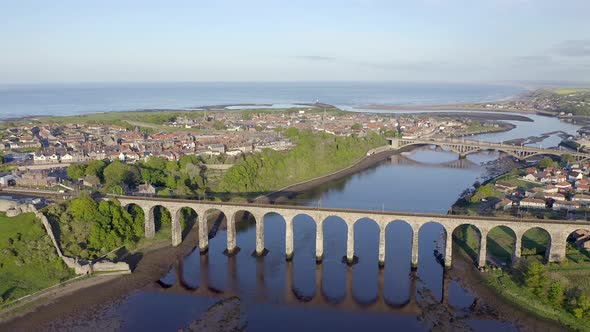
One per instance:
(37,151)
(546,190)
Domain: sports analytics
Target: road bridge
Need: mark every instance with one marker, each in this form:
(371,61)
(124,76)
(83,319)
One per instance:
(464,147)
(558,230)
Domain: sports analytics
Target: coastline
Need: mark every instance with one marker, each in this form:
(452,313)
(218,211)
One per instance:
(442,107)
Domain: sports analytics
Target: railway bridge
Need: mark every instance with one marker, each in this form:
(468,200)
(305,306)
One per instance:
(558,230)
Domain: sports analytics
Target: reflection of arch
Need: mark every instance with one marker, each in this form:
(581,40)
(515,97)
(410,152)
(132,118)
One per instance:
(386,232)
(293,226)
(398,240)
(468,237)
(292,295)
(501,243)
(536,241)
(331,232)
(273,221)
(443,248)
(366,229)
(578,245)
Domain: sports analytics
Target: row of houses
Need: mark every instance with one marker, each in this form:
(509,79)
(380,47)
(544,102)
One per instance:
(29,179)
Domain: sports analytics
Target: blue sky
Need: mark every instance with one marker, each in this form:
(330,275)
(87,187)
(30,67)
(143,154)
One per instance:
(222,40)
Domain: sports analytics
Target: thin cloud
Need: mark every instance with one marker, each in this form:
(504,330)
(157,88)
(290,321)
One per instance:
(573,48)
(532,60)
(315,58)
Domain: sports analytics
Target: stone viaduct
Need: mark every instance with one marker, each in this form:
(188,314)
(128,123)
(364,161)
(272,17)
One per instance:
(558,230)
(464,147)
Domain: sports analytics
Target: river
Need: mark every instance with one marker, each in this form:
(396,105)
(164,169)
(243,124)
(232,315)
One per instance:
(301,295)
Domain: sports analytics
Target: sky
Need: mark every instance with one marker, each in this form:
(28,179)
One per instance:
(295,40)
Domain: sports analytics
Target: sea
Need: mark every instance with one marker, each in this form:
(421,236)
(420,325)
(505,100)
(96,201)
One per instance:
(73,99)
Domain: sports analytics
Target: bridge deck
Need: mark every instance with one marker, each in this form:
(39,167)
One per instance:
(338,210)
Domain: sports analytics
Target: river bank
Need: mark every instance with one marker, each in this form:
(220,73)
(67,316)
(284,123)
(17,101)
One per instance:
(56,311)
(295,189)
(489,302)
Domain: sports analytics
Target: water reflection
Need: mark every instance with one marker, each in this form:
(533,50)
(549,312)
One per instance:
(316,293)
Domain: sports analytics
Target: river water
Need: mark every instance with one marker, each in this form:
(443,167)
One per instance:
(301,295)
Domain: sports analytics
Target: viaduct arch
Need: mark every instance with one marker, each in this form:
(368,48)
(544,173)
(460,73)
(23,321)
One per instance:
(558,230)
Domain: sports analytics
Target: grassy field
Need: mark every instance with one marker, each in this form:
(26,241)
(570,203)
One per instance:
(501,243)
(28,261)
(570,91)
(512,179)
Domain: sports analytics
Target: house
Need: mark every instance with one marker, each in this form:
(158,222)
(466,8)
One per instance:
(39,159)
(530,177)
(563,186)
(67,158)
(504,204)
(535,192)
(574,176)
(582,199)
(145,190)
(582,186)
(565,205)
(7,180)
(555,197)
(533,203)
(54,158)
(217,148)
(549,189)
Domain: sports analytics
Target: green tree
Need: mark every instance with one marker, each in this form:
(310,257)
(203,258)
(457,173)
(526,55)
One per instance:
(535,279)
(118,173)
(219,125)
(568,158)
(76,171)
(95,168)
(84,208)
(555,294)
(582,308)
(547,162)
(356,126)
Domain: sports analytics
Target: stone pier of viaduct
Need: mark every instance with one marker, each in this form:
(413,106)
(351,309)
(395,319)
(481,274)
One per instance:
(558,230)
